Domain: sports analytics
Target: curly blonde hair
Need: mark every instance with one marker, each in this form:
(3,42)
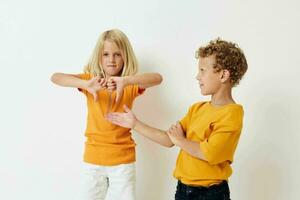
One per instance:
(228,56)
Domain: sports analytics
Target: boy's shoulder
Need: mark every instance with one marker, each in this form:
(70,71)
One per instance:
(198,105)
(226,109)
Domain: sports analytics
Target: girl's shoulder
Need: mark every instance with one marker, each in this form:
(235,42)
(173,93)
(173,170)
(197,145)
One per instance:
(85,76)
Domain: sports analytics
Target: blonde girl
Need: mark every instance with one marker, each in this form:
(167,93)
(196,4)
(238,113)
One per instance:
(109,82)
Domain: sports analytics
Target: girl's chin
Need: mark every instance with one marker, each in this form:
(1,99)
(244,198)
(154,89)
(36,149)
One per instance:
(112,73)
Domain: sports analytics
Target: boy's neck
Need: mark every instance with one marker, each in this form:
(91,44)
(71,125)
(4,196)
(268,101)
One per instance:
(222,97)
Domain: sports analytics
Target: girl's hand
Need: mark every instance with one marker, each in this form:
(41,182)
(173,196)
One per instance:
(117,83)
(94,85)
(176,134)
(126,119)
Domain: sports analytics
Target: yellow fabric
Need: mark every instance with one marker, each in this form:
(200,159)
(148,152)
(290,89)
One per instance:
(108,144)
(217,129)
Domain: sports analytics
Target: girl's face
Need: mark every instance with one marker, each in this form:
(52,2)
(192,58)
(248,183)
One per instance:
(111,59)
(209,79)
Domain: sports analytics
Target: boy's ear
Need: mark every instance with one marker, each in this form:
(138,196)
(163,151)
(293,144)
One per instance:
(225,75)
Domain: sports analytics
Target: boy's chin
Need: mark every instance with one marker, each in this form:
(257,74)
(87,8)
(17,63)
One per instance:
(203,93)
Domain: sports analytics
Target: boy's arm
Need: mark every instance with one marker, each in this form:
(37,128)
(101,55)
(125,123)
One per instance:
(129,120)
(192,148)
(177,136)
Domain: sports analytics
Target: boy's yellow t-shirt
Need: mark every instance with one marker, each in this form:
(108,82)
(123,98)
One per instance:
(217,129)
(108,144)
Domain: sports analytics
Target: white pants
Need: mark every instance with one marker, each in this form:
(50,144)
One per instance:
(108,182)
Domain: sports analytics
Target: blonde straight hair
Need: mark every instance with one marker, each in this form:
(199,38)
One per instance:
(94,66)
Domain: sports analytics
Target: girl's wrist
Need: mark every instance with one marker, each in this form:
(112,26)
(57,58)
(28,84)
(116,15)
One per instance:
(127,80)
(135,124)
(85,84)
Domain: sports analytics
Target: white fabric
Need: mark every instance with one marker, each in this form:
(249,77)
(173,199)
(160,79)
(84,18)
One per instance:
(108,182)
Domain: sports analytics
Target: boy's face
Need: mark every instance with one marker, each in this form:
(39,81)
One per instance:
(209,79)
(111,59)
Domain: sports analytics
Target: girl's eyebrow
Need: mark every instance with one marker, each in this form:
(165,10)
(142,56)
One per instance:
(113,52)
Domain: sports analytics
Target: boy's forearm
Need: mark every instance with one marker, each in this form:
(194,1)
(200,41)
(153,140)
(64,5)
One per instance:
(192,148)
(68,80)
(144,80)
(153,134)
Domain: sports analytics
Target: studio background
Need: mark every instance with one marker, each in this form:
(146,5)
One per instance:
(42,125)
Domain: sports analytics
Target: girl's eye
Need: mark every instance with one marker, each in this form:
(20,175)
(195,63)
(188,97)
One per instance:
(118,55)
(105,54)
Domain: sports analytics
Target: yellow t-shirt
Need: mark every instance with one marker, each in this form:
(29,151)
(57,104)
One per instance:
(217,129)
(108,144)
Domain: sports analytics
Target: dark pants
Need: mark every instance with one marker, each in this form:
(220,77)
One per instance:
(214,192)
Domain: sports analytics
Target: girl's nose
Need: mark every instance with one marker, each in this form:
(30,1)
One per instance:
(112,58)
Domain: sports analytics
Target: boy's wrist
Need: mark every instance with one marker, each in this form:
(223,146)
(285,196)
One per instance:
(180,142)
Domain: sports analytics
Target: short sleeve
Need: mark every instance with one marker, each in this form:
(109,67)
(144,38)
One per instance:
(84,77)
(185,121)
(136,91)
(221,144)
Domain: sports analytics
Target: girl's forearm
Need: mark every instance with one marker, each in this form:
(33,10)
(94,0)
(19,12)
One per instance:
(144,80)
(68,80)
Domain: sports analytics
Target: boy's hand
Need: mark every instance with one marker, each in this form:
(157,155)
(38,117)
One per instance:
(126,119)
(94,85)
(176,134)
(118,84)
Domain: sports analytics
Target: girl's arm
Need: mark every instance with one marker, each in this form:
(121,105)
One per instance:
(72,80)
(69,80)
(129,120)
(144,80)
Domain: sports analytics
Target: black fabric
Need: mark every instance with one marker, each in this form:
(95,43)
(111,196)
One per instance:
(214,192)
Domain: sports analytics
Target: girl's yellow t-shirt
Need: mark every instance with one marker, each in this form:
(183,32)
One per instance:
(217,129)
(108,144)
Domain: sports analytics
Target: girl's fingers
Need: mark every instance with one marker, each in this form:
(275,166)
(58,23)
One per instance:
(110,80)
(95,96)
(111,86)
(102,81)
